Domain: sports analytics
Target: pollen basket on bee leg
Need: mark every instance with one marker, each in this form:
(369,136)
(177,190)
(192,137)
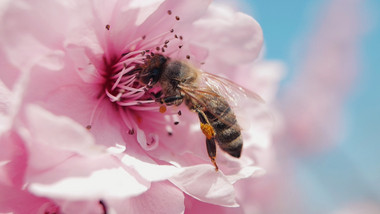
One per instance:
(207,130)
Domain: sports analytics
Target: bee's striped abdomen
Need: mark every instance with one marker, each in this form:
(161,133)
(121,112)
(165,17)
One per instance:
(226,127)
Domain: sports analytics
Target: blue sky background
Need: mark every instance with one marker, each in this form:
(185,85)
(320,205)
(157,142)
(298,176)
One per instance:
(349,172)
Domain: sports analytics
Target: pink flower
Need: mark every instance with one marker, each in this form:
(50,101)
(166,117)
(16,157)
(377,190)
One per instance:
(81,134)
(310,109)
(326,75)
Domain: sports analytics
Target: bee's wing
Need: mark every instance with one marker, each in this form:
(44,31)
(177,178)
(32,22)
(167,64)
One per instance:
(202,97)
(248,106)
(232,92)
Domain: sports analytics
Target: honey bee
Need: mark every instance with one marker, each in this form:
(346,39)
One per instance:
(208,95)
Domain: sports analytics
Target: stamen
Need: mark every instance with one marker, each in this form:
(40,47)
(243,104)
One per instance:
(123,88)
(136,96)
(131,90)
(142,42)
(153,42)
(127,61)
(134,103)
(172,51)
(150,108)
(112,97)
(125,119)
(118,96)
(120,74)
(128,81)
(132,44)
(130,54)
(94,110)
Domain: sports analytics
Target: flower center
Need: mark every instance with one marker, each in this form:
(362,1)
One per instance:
(121,85)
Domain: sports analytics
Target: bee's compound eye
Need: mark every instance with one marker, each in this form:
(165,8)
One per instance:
(154,75)
(152,69)
(150,77)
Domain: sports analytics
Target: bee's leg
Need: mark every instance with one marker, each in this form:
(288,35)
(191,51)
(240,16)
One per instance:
(209,132)
(211,150)
(171,100)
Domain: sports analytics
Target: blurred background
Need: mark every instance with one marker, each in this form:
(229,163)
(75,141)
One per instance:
(327,154)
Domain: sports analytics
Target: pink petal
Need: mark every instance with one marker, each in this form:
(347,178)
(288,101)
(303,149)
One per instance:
(204,183)
(226,48)
(161,198)
(147,142)
(262,77)
(76,167)
(13,159)
(149,170)
(61,133)
(108,181)
(61,159)
(194,206)
(83,62)
(27,45)
(187,11)
(5,102)
(8,78)
(245,172)
(120,32)
(83,207)
(13,200)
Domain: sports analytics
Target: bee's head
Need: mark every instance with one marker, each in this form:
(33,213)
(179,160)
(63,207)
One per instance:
(152,69)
